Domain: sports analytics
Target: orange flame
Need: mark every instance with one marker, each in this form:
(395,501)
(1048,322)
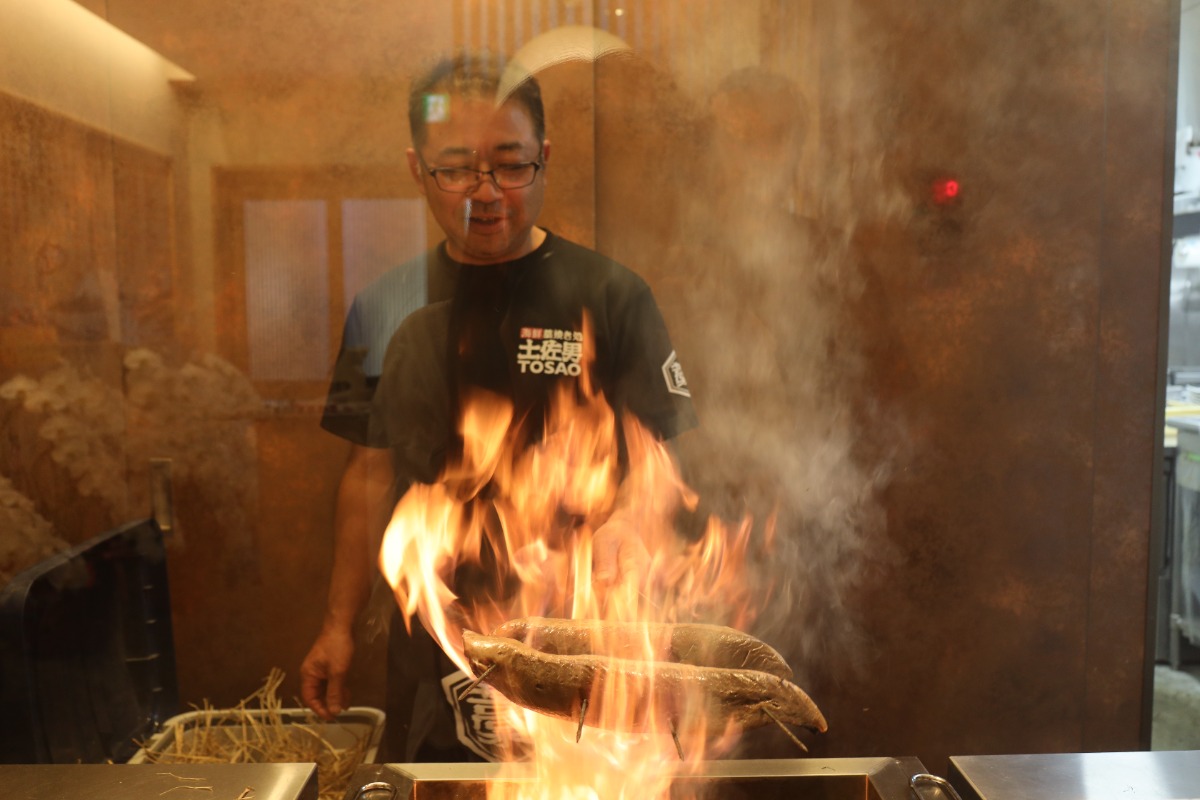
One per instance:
(568,528)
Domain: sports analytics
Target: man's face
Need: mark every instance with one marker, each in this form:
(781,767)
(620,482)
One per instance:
(486,224)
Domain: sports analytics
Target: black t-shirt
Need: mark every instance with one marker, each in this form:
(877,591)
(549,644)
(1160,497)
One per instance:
(515,329)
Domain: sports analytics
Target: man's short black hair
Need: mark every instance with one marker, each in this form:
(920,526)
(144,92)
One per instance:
(476,75)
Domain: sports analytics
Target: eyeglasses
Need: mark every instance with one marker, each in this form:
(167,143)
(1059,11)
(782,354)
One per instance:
(463,179)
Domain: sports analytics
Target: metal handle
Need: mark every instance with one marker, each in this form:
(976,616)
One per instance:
(376,790)
(162,503)
(922,779)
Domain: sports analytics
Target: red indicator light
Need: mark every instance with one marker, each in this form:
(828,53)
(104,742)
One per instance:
(945,191)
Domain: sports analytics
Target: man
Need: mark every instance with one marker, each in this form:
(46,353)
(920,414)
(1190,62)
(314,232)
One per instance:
(513,326)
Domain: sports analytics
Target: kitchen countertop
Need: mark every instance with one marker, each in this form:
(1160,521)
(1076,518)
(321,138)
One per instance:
(1157,775)
(155,781)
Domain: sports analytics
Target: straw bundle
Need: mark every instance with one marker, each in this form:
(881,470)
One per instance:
(256,731)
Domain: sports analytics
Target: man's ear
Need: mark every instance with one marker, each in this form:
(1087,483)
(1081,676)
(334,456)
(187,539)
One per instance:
(415,169)
(545,150)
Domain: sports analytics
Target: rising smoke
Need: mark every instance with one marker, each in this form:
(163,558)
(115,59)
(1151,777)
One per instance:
(756,277)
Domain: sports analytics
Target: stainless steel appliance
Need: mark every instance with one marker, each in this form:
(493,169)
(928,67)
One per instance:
(154,781)
(1077,776)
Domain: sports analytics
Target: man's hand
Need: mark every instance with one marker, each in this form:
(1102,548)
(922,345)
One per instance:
(359,519)
(323,673)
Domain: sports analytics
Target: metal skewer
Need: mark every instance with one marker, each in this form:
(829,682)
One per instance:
(467,689)
(582,713)
(675,736)
(784,728)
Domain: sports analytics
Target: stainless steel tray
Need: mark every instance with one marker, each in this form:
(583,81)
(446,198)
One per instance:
(155,782)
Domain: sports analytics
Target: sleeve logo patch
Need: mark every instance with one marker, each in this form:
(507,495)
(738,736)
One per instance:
(673,375)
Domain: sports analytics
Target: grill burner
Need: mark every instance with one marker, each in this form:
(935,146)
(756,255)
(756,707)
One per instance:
(774,779)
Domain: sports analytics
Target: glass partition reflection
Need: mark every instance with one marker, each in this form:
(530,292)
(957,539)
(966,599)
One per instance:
(194,195)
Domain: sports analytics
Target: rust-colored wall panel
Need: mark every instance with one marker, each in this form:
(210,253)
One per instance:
(86,240)
(1024,365)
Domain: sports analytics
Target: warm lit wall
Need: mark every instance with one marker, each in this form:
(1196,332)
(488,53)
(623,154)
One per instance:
(71,61)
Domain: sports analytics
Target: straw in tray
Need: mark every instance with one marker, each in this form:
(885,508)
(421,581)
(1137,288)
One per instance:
(255,732)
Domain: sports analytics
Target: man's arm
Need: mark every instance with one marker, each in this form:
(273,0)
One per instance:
(650,385)
(360,518)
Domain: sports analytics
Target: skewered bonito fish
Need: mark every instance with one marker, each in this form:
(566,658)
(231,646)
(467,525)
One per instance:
(668,695)
(683,643)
